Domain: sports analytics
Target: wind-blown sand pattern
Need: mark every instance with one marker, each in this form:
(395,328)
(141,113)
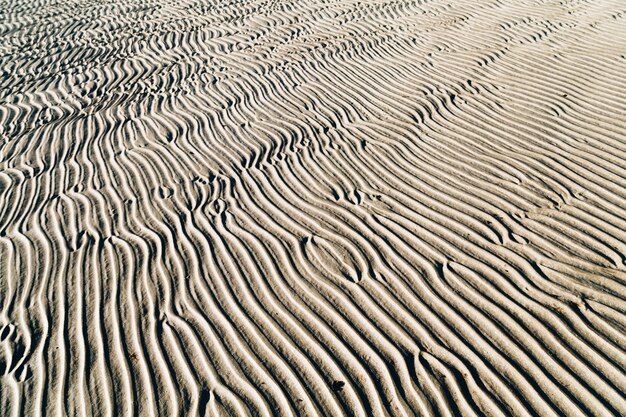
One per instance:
(313,208)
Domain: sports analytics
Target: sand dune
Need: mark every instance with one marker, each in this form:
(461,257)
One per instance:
(313,208)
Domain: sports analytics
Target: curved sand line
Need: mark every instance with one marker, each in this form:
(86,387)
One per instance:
(317,208)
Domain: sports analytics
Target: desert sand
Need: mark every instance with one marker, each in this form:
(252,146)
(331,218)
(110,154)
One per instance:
(313,208)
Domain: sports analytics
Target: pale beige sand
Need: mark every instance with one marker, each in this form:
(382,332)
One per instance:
(313,208)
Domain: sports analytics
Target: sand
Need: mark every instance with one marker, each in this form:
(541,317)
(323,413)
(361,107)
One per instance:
(313,208)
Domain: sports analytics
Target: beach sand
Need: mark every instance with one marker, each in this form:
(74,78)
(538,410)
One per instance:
(313,208)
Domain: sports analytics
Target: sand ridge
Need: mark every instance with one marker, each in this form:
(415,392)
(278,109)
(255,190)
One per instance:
(313,208)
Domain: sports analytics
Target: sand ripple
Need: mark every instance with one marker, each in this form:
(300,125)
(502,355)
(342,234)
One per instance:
(313,208)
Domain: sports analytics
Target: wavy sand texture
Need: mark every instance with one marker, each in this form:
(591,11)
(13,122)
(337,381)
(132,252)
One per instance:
(313,208)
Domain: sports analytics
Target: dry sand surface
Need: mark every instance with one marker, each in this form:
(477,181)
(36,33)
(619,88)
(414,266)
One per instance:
(313,208)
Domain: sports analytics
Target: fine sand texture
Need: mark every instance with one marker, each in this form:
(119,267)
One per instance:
(313,208)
